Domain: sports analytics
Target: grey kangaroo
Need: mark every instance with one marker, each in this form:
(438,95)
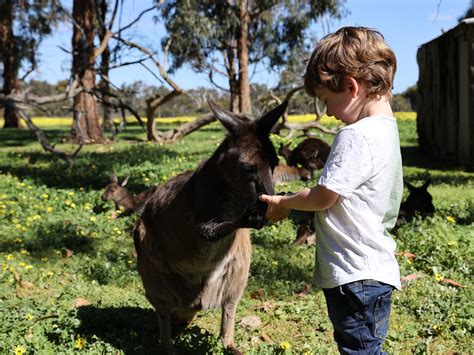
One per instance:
(193,241)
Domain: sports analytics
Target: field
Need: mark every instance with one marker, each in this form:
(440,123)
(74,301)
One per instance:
(68,280)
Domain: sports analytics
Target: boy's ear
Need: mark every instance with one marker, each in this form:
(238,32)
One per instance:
(353,86)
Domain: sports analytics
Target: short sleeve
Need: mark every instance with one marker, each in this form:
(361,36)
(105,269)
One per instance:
(350,163)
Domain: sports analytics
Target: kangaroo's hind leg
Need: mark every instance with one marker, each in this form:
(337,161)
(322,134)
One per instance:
(166,346)
(227,326)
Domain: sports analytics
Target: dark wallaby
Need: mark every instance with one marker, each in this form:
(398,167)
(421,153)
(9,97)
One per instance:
(117,192)
(192,240)
(419,201)
(304,220)
(285,173)
(311,154)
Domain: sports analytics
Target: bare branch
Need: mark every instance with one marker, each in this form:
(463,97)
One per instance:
(173,135)
(103,44)
(69,158)
(211,79)
(147,51)
(138,18)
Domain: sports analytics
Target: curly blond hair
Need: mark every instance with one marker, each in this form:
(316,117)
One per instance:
(357,52)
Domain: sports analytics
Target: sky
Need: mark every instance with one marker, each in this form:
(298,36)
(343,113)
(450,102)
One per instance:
(406,25)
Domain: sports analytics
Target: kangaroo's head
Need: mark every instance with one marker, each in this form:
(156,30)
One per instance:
(115,190)
(245,161)
(419,200)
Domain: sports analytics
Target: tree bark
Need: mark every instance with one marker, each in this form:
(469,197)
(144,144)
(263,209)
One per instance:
(243,56)
(104,69)
(86,127)
(9,58)
(233,80)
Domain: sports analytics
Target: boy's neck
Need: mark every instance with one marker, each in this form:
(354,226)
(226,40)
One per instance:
(376,107)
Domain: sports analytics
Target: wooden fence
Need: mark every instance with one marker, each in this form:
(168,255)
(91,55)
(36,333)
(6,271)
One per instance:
(445,102)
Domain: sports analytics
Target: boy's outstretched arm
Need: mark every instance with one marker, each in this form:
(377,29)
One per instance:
(315,199)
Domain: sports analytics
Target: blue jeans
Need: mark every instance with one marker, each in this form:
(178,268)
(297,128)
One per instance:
(360,314)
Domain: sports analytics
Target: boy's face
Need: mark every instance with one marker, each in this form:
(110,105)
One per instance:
(343,105)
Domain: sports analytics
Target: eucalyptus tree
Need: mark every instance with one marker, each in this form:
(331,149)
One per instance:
(23,24)
(226,37)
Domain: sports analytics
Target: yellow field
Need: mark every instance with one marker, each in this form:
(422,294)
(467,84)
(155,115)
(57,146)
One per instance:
(325,120)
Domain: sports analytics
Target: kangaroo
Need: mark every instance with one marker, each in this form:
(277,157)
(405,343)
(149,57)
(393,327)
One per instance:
(419,201)
(285,173)
(311,154)
(192,239)
(117,192)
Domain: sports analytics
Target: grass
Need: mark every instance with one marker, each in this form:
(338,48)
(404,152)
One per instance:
(69,284)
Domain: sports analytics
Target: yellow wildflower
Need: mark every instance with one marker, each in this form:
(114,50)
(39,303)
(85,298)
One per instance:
(285,345)
(21,264)
(28,267)
(49,209)
(93,219)
(438,277)
(80,342)
(29,316)
(45,196)
(450,219)
(19,350)
(275,263)
(24,252)
(9,256)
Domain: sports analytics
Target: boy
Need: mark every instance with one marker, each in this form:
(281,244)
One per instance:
(358,195)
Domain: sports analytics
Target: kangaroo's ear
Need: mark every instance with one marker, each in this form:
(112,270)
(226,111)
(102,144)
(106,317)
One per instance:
(410,186)
(426,184)
(267,121)
(124,182)
(228,120)
(113,178)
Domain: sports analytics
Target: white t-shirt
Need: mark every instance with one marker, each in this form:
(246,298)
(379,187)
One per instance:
(352,241)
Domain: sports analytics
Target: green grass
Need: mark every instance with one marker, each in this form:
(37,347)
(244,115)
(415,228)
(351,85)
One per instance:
(60,248)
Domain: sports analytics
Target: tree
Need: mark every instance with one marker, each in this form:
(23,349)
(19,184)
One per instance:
(215,36)
(86,127)
(23,24)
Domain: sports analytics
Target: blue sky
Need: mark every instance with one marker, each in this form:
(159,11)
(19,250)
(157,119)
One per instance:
(406,24)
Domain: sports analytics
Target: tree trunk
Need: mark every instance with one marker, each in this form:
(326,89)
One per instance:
(86,127)
(9,57)
(233,81)
(243,55)
(104,68)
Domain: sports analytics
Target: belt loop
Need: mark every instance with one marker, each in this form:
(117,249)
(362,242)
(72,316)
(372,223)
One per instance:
(340,289)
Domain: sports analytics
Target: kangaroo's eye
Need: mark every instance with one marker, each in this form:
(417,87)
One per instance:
(250,169)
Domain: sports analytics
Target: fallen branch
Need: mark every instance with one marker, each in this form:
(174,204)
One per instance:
(305,127)
(69,158)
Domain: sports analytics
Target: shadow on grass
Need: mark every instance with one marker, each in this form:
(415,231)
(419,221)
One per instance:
(61,235)
(92,169)
(134,330)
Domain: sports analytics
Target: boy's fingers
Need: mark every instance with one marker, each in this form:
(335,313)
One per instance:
(265,198)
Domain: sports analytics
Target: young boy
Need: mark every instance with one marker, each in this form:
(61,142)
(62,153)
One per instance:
(358,195)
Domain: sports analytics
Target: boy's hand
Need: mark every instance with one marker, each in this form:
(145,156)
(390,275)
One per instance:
(275,212)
